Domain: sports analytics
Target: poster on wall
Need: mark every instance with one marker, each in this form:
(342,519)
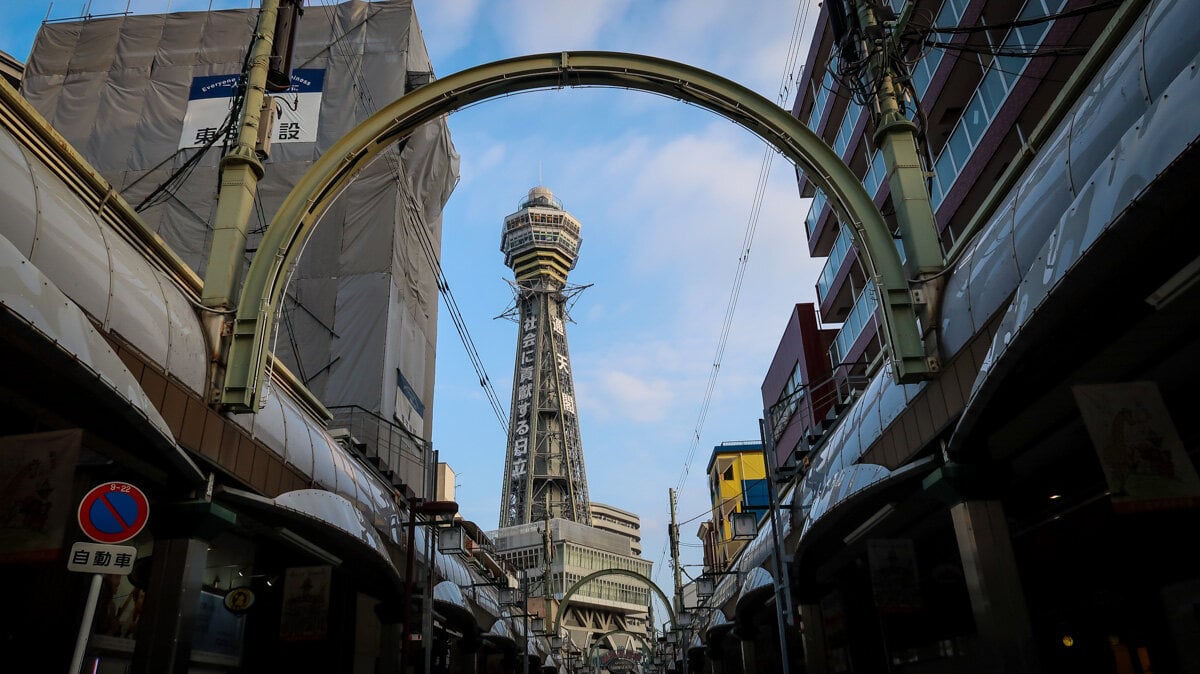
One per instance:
(36,502)
(1145,463)
(895,580)
(305,614)
(218,633)
(297,110)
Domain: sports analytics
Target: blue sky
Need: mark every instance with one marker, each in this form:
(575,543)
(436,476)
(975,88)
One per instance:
(665,192)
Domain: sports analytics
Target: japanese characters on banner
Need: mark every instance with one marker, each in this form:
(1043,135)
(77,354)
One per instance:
(527,355)
(305,612)
(297,110)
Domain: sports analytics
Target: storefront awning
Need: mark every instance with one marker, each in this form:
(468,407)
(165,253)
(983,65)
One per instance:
(846,503)
(449,603)
(340,532)
(71,354)
(755,593)
(718,630)
(500,636)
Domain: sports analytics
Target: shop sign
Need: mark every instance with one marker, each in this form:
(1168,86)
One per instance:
(239,600)
(621,666)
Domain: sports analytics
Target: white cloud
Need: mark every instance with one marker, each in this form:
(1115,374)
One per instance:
(620,394)
(664,192)
(527,27)
(478,162)
(451,21)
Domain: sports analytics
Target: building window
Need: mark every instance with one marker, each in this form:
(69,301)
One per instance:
(999,77)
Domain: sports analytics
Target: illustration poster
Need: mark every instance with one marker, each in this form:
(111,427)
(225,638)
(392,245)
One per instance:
(1143,458)
(305,603)
(36,474)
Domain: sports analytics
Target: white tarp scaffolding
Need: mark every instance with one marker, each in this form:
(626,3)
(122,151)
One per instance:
(139,95)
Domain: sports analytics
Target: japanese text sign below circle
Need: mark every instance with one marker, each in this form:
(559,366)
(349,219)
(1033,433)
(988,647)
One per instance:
(113,512)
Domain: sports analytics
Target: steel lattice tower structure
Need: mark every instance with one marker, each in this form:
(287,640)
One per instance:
(543,468)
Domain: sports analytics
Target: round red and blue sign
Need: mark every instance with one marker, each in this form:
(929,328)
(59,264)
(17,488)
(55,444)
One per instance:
(113,512)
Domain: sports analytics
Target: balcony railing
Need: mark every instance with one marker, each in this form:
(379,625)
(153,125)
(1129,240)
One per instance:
(821,96)
(852,327)
(400,456)
(814,212)
(949,14)
(833,263)
(999,79)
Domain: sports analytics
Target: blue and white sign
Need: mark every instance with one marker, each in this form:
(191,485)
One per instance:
(297,110)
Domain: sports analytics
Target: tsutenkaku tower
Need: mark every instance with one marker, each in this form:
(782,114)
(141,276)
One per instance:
(543,468)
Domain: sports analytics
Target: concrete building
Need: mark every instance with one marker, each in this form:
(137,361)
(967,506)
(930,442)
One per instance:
(618,521)
(1017,507)
(275,539)
(572,551)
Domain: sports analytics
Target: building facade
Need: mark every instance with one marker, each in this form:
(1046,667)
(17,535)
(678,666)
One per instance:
(737,482)
(1017,509)
(618,521)
(551,565)
(146,99)
(281,538)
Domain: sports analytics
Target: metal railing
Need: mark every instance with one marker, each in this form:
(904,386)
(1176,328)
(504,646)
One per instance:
(856,321)
(399,455)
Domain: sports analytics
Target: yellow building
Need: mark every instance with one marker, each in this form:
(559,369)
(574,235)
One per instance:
(737,479)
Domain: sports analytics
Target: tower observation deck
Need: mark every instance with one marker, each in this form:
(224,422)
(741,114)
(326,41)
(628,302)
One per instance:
(544,473)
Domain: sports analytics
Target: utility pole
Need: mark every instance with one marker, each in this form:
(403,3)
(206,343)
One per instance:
(678,581)
(674,533)
(783,592)
(241,170)
(896,138)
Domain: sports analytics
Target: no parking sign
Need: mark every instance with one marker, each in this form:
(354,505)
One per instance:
(113,512)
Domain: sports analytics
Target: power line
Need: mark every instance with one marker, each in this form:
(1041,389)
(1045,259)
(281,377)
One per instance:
(1020,23)
(428,249)
(788,78)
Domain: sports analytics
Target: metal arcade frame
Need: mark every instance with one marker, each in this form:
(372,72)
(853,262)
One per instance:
(263,290)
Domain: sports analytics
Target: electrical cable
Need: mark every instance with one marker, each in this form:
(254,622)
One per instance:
(366,103)
(1020,23)
(787,79)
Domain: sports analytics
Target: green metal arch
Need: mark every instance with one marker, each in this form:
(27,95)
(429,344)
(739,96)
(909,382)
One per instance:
(591,652)
(265,282)
(562,606)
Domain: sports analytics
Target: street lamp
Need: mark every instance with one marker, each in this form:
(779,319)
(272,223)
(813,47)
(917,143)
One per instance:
(744,525)
(531,622)
(453,541)
(706,584)
(439,513)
